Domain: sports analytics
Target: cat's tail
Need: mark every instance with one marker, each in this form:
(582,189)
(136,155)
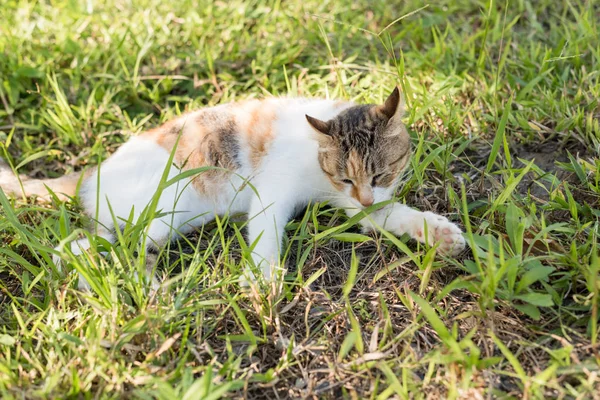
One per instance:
(64,187)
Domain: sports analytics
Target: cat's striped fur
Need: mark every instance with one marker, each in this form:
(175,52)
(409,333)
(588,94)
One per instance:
(271,157)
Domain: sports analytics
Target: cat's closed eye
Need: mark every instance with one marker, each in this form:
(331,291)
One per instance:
(375,179)
(348,181)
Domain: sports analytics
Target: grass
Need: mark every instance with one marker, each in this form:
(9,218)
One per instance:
(504,114)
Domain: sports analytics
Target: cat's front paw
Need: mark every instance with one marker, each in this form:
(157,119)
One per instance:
(447,234)
(78,247)
(266,274)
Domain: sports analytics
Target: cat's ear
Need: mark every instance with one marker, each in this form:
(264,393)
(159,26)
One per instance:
(321,126)
(393,106)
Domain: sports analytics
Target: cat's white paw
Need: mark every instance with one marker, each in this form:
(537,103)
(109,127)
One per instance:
(154,283)
(83,284)
(244,280)
(448,234)
(77,248)
(248,278)
(269,273)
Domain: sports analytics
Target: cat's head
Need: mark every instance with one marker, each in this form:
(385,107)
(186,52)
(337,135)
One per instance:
(364,149)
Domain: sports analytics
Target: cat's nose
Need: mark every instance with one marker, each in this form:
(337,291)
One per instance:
(367,202)
(365,197)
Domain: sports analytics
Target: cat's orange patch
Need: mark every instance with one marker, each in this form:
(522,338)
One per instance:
(336,185)
(257,119)
(361,189)
(205,140)
(354,192)
(165,135)
(328,157)
(354,163)
(340,104)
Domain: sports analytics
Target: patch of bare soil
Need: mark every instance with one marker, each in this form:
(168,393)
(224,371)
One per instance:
(545,156)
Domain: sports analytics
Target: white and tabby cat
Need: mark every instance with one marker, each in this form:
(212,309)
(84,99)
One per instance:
(292,151)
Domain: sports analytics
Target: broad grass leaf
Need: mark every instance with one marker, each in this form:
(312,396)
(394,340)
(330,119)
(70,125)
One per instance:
(347,345)
(7,340)
(515,227)
(499,136)
(529,310)
(537,299)
(533,275)
(351,274)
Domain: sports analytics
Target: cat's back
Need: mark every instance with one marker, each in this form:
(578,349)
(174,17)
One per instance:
(239,135)
(278,121)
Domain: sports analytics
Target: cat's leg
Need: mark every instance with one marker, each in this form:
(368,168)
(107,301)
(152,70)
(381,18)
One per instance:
(160,232)
(181,209)
(422,226)
(267,220)
(78,247)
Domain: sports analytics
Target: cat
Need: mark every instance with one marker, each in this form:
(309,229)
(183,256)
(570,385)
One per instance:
(270,157)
